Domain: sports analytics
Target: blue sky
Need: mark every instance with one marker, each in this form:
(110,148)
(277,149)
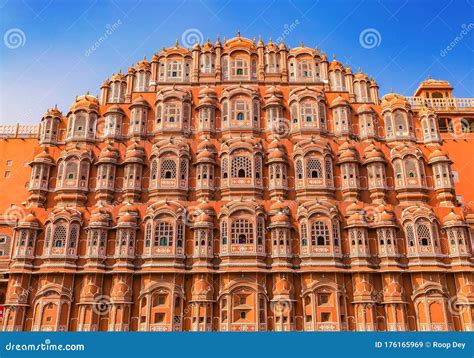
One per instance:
(46,56)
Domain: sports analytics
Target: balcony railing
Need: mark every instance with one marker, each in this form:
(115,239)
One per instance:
(19,131)
(442,104)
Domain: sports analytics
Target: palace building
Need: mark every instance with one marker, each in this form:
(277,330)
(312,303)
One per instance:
(240,186)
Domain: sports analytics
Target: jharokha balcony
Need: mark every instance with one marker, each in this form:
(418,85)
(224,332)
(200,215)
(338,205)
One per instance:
(442,104)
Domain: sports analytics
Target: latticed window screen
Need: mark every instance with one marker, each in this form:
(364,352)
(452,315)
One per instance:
(59,237)
(225,167)
(148,235)
(328,168)
(240,67)
(241,232)
(335,232)
(241,167)
(410,168)
(314,168)
(304,69)
(168,169)
(260,230)
(224,231)
(240,110)
(73,236)
(319,233)
(299,169)
(164,232)
(256,111)
(172,112)
(258,166)
(154,169)
(309,112)
(179,235)
(183,168)
(410,235)
(304,234)
(48,235)
(175,69)
(423,233)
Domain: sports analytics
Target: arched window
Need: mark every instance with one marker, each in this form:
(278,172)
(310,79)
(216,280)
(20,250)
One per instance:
(71,170)
(411,168)
(424,235)
(241,167)
(319,233)
(241,232)
(309,112)
(314,168)
(175,69)
(168,169)
(304,70)
(164,232)
(59,236)
(240,67)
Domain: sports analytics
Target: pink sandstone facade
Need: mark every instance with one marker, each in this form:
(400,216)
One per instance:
(240,186)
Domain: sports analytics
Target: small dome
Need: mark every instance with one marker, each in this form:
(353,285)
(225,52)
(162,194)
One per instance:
(53,112)
(276,154)
(282,287)
(140,101)
(143,65)
(347,153)
(365,108)
(355,206)
(335,65)
(117,77)
(204,218)
(85,102)
(201,287)
(114,109)
(280,217)
(452,218)
(279,206)
(109,152)
(127,219)
(357,219)
(206,206)
(371,152)
(30,219)
(134,150)
(43,157)
(438,154)
(127,208)
(339,101)
(205,154)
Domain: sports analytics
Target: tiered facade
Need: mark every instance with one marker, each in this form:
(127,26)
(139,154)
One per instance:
(241,186)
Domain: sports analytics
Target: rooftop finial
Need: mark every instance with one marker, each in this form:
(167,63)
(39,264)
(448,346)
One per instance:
(238,34)
(177,43)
